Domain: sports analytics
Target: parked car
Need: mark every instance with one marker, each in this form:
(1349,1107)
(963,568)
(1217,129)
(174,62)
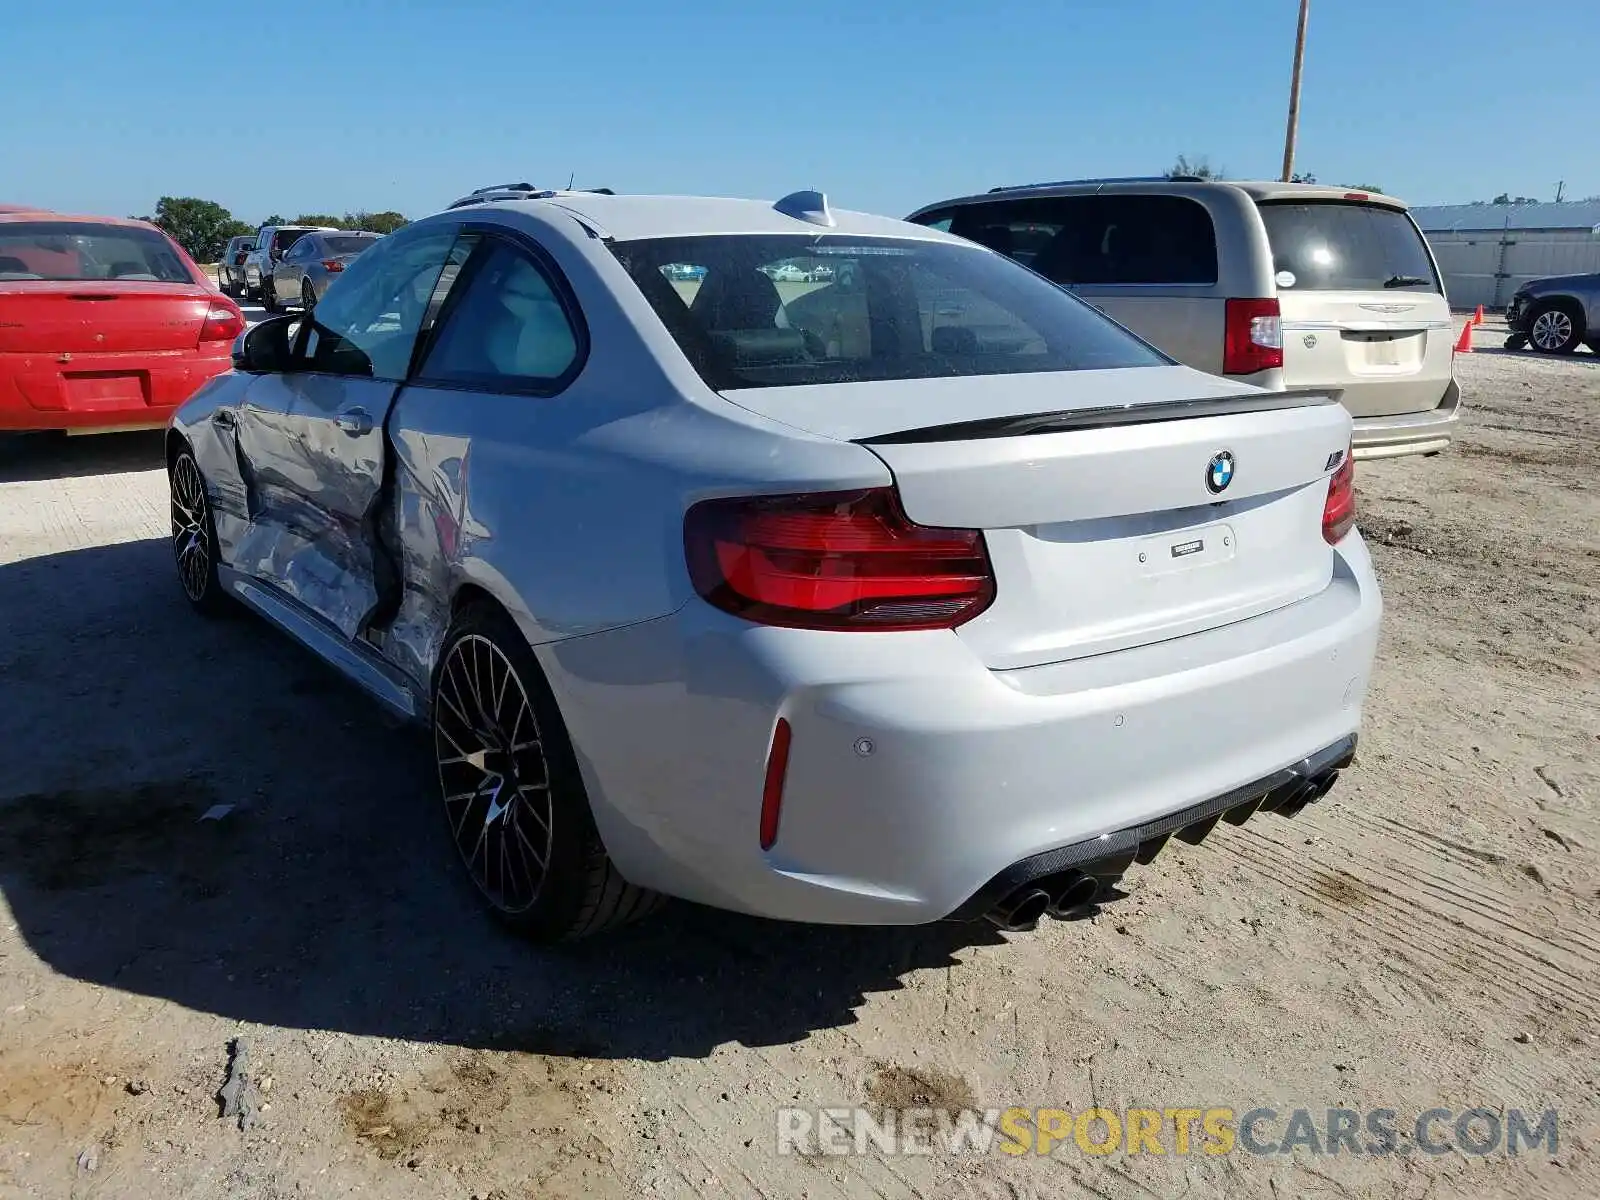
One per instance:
(272,241)
(105,323)
(313,262)
(1556,315)
(230,267)
(1278,284)
(832,611)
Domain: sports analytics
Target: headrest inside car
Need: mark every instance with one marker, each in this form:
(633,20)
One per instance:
(760,347)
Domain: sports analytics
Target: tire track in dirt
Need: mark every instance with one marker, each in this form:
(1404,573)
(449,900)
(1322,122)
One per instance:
(1516,966)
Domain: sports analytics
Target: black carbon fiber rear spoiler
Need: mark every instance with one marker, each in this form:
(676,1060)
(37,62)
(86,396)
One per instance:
(1116,415)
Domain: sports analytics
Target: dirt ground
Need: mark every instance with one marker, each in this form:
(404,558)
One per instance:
(1427,936)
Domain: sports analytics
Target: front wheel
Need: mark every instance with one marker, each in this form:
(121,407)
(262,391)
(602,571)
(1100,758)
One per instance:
(514,801)
(1554,331)
(194,536)
(269,295)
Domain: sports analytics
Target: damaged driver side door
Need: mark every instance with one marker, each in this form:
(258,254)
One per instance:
(352,353)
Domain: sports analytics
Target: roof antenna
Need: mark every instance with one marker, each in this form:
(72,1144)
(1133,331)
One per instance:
(811,207)
(571,179)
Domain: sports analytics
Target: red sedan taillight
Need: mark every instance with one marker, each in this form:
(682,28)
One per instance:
(1339,511)
(223,323)
(835,560)
(1252,337)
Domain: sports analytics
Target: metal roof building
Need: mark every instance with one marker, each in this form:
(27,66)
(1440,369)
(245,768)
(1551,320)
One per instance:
(1487,251)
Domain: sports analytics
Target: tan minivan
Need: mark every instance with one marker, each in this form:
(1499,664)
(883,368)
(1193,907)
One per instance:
(1283,285)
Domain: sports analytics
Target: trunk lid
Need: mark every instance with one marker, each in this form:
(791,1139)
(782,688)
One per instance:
(100,316)
(1100,524)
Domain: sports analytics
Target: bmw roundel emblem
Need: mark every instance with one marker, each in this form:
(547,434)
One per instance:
(1219,471)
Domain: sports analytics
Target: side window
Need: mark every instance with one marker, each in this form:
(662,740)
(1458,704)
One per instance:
(1142,239)
(369,323)
(937,220)
(509,330)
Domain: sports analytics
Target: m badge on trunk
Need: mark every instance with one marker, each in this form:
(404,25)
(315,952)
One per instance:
(1219,471)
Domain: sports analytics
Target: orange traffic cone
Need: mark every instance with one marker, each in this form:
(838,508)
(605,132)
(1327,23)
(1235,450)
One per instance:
(1464,342)
(1477,317)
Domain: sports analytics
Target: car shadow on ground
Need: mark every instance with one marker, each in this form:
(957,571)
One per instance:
(26,457)
(326,896)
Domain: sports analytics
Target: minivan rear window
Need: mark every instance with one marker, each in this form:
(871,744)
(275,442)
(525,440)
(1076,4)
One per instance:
(79,250)
(786,309)
(1100,239)
(285,238)
(1340,246)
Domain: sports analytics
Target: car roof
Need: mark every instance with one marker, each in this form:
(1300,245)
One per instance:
(34,215)
(628,218)
(1257,190)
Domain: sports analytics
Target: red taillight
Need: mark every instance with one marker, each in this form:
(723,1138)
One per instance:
(835,560)
(1339,512)
(223,323)
(772,788)
(1252,338)
(332,265)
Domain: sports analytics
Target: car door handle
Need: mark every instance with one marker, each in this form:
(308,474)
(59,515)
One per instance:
(354,421)
(222,418)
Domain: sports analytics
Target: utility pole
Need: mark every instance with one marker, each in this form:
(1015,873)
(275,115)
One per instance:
(1561,189)
(1294,93)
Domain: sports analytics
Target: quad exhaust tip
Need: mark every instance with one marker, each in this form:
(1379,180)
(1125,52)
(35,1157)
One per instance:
(1071,893)
(1021,910)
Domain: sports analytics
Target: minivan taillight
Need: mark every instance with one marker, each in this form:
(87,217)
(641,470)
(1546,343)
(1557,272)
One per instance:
(223,323)
(1252,338)
(835,560)
(1339,511)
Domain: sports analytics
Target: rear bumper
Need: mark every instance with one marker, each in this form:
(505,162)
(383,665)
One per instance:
(916,775)
(1409,433)
(99,391)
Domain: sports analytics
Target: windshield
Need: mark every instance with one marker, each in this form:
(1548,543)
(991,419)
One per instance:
(779,310)
(1331,246)
(348,243)
(77,250)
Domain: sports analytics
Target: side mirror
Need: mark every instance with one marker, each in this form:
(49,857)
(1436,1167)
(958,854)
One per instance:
(267,348)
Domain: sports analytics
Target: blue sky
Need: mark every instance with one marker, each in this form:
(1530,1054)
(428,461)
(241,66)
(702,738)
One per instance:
(885,104)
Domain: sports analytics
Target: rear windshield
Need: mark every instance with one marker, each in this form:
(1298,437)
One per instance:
(780,310)
(285,238)
(348,243)
(1332,246)
(76,250)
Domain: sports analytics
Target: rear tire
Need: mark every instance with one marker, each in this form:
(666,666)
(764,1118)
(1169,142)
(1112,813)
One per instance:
(1555,329)
(308,296)
(194,536)
(514,801)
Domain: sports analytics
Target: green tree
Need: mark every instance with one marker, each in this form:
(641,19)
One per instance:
(379,222)
(1366,187)
(1302,177)
(1197,168)
(201,227)
(274,219)
(318,219)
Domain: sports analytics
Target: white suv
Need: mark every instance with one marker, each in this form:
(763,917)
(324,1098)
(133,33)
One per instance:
(1283,285)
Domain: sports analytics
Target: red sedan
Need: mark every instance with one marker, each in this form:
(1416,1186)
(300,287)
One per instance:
(105,324)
